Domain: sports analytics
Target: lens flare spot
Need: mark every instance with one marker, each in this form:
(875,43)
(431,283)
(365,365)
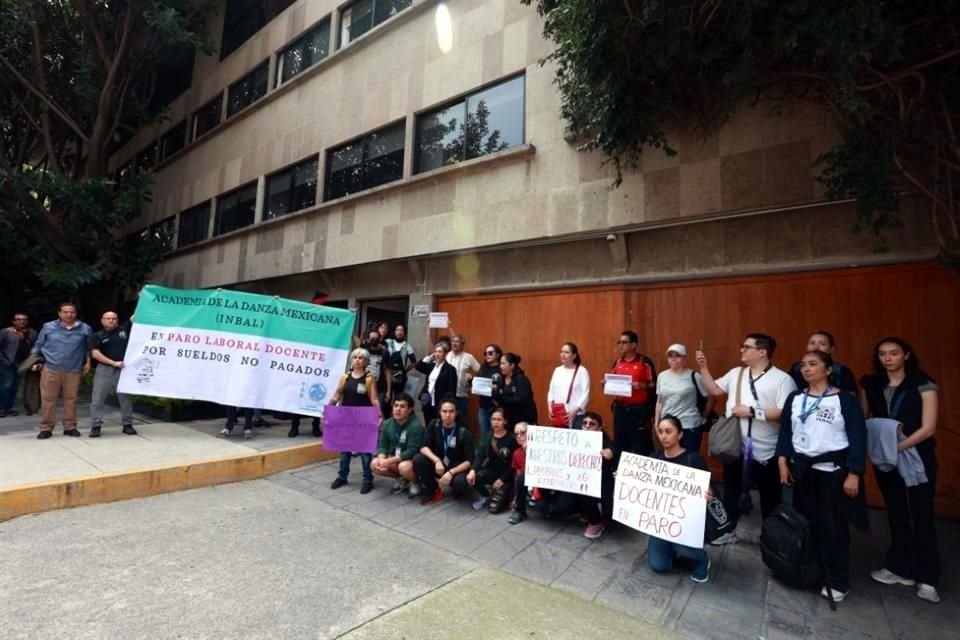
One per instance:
(444,28)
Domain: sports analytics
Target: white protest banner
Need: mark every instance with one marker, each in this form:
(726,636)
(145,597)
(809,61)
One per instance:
(661,499)
(236,348)
(615,384)
(564,459)
(438,320)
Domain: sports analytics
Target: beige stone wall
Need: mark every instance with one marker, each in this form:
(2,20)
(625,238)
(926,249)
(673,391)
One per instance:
(546,191)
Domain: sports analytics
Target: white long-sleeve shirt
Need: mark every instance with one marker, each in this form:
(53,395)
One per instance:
(560,387)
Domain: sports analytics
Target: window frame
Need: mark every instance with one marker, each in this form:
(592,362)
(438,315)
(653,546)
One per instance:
(343,9)
(261,18)
(365,140)
(464,100)
(326,21)
(291,169)
(203,207)
(264,68)
(218,214)
(194,136)
(167,135)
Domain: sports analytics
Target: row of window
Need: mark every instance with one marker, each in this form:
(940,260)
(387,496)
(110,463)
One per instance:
(313,46)
(478,124)
(244,18)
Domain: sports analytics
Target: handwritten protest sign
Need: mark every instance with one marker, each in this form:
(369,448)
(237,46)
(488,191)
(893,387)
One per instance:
(351,429)
(564,460)
(439,320)
(661,499)
(236,348)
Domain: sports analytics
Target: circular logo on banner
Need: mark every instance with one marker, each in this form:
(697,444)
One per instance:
(318,392)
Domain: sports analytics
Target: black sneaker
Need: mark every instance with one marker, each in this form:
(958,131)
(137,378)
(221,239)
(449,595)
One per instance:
(43,435)
(339,482)
(260,423)
(94,432)
(129,430)
(367,486)
(294,432)
(73,433)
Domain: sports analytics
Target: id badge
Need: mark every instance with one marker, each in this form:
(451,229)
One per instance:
(452,442)
(396,452)
(403,438)
(446,461)
(361,388)
(803,439)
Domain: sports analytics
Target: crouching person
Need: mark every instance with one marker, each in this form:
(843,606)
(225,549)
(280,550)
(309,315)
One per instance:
(492,473)
(401,437)
(661,553)
(445,457)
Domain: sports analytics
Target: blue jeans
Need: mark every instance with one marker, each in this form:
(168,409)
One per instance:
(661,554)
(483,419)
(691,439)
(8,386)
(365,459)
(462,404)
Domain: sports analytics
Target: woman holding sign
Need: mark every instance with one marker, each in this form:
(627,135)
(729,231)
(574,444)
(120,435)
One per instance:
(661,553)
(490,369)
(569,390)
(598,511)
(441,381)
(822,454)
(357,388)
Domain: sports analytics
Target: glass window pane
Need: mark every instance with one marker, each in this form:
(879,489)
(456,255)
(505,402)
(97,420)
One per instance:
(236,211)
(207,117)
(173,140)
(194,225)
(304,185)
(357,20)
(305,52)
(278,195)
(247,90)
(440,138)
(345,171)
(495,118)
(386,9)
(384,157)
(147,158)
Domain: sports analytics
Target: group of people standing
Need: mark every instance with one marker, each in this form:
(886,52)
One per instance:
(804,428)
(810,428)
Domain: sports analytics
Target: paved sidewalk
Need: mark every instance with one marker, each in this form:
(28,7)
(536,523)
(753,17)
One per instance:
(741,601)
(25,460)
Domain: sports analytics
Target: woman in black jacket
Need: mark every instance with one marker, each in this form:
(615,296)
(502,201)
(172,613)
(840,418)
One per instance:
(440,382)
(515,393)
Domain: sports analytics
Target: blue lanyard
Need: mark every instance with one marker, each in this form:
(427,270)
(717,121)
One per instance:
(446,438)
(804,414)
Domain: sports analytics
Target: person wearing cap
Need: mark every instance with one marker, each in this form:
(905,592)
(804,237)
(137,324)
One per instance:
(680,393)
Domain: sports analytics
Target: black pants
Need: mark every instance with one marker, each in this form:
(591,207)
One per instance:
(630,431)
(247,417)
(486,478)
(295,422)
(913,549)
(598,510)
(520,494)
(427,477)
(430,413)
(767,478)
(819,496)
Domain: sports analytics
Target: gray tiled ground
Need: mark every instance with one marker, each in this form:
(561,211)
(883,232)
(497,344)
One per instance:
(740,601)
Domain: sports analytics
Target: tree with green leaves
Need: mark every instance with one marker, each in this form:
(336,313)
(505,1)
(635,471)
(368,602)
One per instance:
(76,81)
(630,70)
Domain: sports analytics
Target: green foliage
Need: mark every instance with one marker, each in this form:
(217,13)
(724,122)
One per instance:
(629,71)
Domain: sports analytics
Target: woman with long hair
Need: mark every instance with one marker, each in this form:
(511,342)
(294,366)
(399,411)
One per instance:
(489,368)
(515,393)
(357,388)
(900,391)
(492,474)
(569,390)
(821,452)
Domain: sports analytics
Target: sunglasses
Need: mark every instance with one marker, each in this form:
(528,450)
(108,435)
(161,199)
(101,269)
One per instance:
(489,353)
(521,433)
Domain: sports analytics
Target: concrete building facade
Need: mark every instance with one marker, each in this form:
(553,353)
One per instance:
(522,213)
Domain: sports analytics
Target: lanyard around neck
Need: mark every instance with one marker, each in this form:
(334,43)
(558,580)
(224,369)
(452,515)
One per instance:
(804,414)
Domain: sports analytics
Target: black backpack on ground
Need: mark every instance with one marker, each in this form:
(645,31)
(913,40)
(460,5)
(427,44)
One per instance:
(788,547)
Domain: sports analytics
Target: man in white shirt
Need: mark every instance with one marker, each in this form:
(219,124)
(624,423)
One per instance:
(466,365)
(763,392)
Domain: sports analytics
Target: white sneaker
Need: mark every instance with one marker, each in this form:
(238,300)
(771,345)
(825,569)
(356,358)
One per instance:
(838,596)
(928,592)
(727,538)
(886,576)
